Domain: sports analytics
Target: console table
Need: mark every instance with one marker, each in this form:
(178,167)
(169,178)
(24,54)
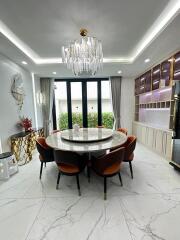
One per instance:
(23,144)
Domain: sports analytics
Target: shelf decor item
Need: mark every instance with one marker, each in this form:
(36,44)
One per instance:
(84,56)
(26,123)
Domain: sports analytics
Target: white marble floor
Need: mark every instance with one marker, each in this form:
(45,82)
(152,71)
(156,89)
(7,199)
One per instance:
(145,208)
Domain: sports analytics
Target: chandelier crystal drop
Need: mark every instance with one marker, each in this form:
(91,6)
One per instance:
(85,56)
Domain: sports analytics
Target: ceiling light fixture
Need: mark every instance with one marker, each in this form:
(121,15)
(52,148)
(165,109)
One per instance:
(147,60)
(84,56)
(119,72)
(54,73)
(24,62)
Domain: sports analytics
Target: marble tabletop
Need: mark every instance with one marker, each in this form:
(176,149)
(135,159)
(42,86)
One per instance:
(55,141)
(86,134)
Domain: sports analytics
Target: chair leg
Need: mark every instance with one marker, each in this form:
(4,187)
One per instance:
(88,173)
(45,164)
(41,168)
(130,166)
(78,186)
(58,179)
(105,188)
(120,179)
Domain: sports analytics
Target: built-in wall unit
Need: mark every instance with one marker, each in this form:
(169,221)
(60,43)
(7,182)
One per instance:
(155,105)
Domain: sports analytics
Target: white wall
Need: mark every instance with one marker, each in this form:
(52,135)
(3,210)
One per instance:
(127,103)
(38,106)
(9,113)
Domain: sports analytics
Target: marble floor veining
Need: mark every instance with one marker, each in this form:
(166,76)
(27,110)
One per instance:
(145,208)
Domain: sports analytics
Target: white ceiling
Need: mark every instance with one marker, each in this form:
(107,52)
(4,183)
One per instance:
(44,26)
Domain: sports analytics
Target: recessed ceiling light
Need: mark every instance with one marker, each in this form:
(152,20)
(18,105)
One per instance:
(24,62)
(147,60)
(119,72)
(54,73)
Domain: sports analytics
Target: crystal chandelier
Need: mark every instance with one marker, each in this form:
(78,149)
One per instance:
(84,57)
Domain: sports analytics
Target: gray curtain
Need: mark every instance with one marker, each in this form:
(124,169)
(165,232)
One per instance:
(47,90)
(116,99)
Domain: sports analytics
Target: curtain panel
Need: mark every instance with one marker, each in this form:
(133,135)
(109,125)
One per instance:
(47,91)
(115,83)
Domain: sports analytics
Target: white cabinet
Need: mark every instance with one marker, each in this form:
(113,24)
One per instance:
(159,137)
(150,137)
(144,134)
(156,139)
(168,146)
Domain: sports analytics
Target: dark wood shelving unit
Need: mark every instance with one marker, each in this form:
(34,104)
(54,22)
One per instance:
(176,72)
(156,76)
(142,84)
(166,68)
(160,76)
(148,81)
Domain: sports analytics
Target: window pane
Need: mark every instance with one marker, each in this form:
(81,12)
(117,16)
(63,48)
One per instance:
(61,105)
(92,104)
(107,114)
(76,101)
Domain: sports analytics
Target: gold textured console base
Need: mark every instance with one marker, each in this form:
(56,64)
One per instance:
(23,144)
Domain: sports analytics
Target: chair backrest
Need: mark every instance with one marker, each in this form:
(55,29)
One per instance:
(66,157)
(115,156)
(129,146)
(123,130)
(44,150)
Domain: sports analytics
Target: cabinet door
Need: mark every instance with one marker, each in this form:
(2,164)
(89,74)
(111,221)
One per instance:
(150,138)
(134,129)
(168,146)
(144,134)
(139,132)
(159,141)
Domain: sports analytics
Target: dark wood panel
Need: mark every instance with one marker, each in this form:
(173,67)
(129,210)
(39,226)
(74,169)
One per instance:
(176,75)
(156,76)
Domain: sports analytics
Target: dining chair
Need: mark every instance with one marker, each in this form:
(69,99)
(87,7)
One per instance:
(45,153)
(123,130)
(109,166)
(130,146)
(70,164)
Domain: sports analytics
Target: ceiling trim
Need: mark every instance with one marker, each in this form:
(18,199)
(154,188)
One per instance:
(167,15)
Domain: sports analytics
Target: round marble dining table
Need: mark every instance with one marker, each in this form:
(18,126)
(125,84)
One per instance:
(92,144)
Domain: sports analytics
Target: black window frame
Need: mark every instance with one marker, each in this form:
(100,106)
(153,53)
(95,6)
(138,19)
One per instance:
(84,100)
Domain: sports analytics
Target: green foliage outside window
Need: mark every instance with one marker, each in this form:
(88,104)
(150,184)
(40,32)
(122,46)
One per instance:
(107,120)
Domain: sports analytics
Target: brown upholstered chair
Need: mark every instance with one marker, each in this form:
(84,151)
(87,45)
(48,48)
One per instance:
(109,165)
(45,153)
(129,145)
(70,164)
(123,130)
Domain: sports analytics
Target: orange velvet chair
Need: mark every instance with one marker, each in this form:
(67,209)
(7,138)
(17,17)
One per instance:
(70,164)
(45,153)
(123,130)
(109,165)
(129,151)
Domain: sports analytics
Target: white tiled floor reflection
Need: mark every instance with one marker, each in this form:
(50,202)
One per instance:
(145,208)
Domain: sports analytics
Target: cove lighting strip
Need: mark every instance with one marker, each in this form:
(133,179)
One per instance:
(167,15)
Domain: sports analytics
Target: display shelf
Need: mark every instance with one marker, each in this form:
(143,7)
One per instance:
(158,105)
(176,73)
(156,75)
(166,70)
